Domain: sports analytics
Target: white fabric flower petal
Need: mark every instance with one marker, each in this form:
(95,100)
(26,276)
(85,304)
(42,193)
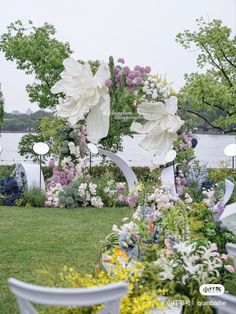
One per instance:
(98,120)
(86,97)
(160,129)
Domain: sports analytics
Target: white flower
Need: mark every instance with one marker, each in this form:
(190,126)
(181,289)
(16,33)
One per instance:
(96,201)
(65,161)
(82,189)
(160,129)
(167,273)
(87,97)
(185,247)
(93,188)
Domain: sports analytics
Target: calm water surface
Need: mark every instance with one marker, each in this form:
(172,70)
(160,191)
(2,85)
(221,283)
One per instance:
(210,149)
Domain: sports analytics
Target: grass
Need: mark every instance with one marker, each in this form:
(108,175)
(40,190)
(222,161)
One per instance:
(32,239)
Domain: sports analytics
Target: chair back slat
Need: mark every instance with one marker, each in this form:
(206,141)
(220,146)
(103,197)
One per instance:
(26,294)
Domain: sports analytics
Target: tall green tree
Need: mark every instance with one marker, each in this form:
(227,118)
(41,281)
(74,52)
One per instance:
(37,52)
(211,95)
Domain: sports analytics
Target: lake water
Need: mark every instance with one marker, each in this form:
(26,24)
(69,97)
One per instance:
(210,150)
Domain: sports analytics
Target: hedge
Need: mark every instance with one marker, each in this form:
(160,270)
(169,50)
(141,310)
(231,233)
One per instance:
(142,173)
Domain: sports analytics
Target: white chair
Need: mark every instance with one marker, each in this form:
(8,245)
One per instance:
(109,295)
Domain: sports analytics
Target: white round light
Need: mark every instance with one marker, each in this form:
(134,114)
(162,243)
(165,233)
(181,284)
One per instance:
(41,148)
(1,148)
(93,148)
(170,155)
(230,150)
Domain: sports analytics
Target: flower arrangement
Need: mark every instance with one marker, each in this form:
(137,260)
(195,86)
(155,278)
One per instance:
(80,193)
(10,191)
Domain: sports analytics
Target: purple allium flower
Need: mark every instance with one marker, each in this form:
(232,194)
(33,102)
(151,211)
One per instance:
(128,81)
(137,73)
(147,69)
(138,80)
(131,75)
(126,70)
(137,68)
(56,178)
(141,69)
(108,83)
(121,60)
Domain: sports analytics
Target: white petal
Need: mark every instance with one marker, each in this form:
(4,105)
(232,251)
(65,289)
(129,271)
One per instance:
(98,120)
(142,128)
(171,105)
(151,110)
(102,74)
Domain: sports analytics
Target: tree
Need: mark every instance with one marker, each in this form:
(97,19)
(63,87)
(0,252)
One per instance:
(1,105)
(211,96)
(37,52)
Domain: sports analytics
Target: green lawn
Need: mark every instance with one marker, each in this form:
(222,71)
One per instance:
(34,238)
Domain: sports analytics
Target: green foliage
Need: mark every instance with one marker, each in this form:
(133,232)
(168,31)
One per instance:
(211,96)
(203,228)
(25,147)
(6,171)
(37,52)
(219,174)
(23,122)
(143,173)
(32,198)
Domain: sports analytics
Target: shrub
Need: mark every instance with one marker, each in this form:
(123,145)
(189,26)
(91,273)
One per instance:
(6,171)
(32,198)
(219,174)
(9,191)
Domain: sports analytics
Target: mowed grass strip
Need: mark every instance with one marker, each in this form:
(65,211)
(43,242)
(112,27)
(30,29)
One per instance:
(35,239)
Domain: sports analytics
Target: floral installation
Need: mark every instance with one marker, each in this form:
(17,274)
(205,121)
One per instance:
(80,193)
(160,129)
(52,196)
(86,97)
(155,88)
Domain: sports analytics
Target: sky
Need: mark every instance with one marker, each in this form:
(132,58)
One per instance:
(142,32)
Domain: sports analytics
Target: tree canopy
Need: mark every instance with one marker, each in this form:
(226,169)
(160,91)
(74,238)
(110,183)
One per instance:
(37,52)
(211,96)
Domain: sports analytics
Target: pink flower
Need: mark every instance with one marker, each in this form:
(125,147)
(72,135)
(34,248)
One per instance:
(214,247)
(230,268)
(147,69)
(226,256)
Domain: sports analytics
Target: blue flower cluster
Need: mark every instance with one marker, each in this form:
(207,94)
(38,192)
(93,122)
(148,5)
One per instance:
(9,191)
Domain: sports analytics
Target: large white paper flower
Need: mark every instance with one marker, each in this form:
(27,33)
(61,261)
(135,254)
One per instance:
(161,128)
(87,97)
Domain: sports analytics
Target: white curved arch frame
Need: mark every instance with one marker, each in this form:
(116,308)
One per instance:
(168,180)
(32,174)
(124,167)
